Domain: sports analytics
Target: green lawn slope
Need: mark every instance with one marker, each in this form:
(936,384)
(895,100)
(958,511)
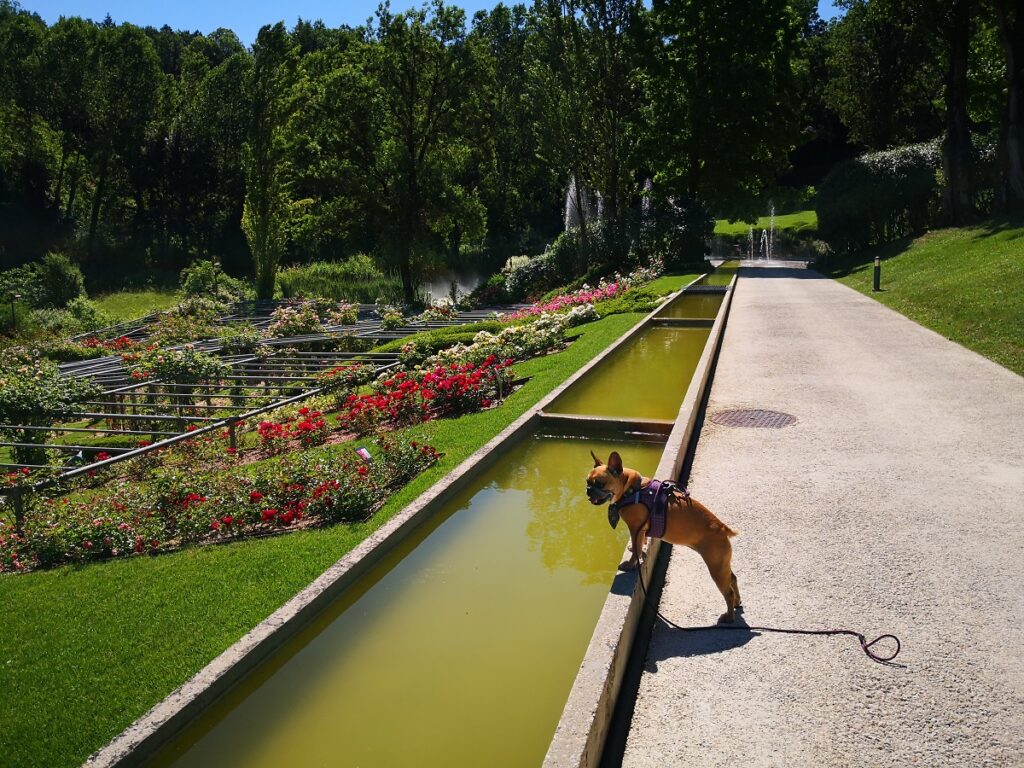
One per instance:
(86,650)
(797,222)
(967,284)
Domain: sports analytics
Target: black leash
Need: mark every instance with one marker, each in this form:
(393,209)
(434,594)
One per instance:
(864,644)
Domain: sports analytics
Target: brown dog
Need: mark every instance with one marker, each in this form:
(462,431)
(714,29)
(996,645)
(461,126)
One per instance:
(687,523)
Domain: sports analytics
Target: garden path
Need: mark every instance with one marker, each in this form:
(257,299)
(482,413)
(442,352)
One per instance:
(892,505)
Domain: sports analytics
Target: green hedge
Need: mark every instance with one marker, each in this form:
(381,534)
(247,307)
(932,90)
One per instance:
(879,197)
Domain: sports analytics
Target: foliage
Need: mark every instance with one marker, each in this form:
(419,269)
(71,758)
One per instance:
(356,279)
(206,278)
(424,394)
(390,317)
(295,320)
(514,342)
(34,393)
(181,508)
(344,314)
(878,197)
(184,365)
(236,339)
(79,316)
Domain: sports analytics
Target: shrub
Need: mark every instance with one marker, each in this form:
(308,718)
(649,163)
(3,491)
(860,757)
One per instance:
(185,365)
(79,316)
(60,281)
(878,197)
(237,339)
(295,320)
(206,278)
(390,317)
(344,314)
(34,393)
(532,277)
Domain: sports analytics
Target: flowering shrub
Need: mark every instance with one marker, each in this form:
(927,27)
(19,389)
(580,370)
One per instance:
(345,314)
(180,508)
(119,344)
(236,339)
(33,393)
(183,365)
(390,317)
(295,320)
(442,309)
(405,399)
(516,342)
(308,427)
(581,313)
(585,295)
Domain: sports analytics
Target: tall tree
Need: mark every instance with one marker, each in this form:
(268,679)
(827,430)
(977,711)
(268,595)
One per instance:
(267,201)
(722,99)
(1010,19)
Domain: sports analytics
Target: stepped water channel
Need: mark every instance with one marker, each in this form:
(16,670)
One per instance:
(460,646)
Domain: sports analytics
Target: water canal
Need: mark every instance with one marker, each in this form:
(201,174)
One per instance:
(459,649)
(462,644)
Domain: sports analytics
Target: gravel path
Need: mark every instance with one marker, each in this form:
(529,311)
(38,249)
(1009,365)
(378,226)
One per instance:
(894,504)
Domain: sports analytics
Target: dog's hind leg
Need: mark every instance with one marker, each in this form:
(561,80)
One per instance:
(736,591)
(718,558)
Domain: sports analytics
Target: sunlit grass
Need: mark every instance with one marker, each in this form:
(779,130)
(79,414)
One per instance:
(967,284)
(129,305)
(85,650)
(798,222)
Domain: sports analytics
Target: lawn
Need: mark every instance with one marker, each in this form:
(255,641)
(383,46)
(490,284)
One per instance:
(797,222)
(967,284)
(86,650)
(132,304)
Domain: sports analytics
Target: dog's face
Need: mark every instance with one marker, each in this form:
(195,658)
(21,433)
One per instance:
(605,480)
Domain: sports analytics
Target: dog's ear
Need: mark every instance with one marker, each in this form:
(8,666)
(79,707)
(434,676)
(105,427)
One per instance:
(615,463)
(597,461)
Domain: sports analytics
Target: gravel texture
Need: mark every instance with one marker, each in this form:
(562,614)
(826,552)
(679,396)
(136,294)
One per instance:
(894,504)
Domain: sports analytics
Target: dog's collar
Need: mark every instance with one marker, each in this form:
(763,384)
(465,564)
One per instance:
(624,501)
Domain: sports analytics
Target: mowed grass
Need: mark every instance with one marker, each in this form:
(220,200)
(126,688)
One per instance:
(129,305)
(86,650)
(798,222)
(967,284)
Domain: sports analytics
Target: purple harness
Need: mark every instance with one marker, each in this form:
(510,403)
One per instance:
(655,497)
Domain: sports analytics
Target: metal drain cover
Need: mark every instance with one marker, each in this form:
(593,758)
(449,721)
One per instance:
(756,418)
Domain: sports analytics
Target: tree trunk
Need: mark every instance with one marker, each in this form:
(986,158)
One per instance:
(956,150)
(59,185)
(97,202)
(1011,36)
(76,170)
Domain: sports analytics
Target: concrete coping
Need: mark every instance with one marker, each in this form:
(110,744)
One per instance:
(143,738)
(583,728)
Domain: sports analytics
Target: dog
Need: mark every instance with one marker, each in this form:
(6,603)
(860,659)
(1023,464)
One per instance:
(687,522)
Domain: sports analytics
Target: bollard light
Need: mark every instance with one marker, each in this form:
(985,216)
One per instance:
(878,274)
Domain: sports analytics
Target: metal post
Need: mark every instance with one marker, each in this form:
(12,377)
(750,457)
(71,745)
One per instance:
(232,439)
(14,317)
(878,274)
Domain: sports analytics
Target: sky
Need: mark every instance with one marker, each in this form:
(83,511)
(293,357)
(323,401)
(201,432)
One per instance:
(245,17)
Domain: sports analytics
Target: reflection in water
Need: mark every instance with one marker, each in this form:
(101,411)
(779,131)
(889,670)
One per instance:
(647,377)
(694,305)
(469,634)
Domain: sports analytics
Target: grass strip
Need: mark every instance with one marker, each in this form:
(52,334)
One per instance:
(129,305)
(85,650)
(800,221)
(966,284)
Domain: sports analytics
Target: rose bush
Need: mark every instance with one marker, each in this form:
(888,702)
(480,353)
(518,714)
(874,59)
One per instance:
(180,508)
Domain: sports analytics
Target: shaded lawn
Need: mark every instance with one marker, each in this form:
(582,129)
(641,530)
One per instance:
(85,650)
(132,304)
(798,222)
(967,284)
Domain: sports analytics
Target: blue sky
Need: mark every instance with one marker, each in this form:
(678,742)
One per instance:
(244,17)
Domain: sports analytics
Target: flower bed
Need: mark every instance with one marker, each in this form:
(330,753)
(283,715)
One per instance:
(181,508)
(410,398)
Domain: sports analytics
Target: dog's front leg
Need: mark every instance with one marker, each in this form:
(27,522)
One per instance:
(637,543)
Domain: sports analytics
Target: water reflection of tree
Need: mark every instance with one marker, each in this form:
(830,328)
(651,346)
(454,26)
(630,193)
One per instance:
(568,531)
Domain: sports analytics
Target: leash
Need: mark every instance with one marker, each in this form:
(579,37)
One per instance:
(864,644)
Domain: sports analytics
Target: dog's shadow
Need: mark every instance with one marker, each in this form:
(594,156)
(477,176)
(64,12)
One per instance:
(673,642)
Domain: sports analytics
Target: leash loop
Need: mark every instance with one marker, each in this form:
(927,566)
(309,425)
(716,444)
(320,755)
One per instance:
(865,646)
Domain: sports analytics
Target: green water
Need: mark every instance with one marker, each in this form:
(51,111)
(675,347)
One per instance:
(646,378)
(694,305)
(459,650)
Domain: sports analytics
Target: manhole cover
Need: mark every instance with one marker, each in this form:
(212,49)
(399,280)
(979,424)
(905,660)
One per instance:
(753,418)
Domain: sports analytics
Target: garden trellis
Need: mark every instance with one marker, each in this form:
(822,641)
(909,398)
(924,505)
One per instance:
(134,416)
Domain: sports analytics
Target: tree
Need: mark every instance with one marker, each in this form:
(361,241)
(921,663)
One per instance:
(884,77)
(1010,20)
(267,202)
(722,100)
